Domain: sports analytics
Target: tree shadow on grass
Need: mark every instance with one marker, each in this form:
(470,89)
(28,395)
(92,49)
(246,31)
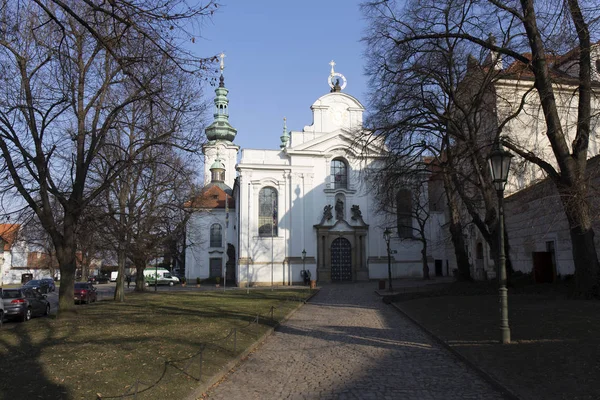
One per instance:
(22,370)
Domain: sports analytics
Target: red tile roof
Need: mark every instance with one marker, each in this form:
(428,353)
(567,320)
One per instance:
(8,233)
(211,197)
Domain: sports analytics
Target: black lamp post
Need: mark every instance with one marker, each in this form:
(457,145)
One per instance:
(387,234)
(499,162)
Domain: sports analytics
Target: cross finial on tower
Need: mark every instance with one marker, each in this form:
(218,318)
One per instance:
(222,56)
(332,63)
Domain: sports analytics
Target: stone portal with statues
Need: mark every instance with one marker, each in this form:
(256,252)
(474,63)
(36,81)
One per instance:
(341,245)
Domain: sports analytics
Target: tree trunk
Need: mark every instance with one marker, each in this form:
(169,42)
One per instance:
(120,288)
(139,279)
(571,182)
(585,256)
(456,232)
(67,261)
(424,258)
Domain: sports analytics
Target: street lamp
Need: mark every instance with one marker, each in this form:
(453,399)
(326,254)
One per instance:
(387,234)
(304,264)
(499,162)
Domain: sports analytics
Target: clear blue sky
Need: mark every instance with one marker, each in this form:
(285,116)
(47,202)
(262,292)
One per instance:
(277,60)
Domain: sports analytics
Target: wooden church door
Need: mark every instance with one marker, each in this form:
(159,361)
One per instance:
(341,260)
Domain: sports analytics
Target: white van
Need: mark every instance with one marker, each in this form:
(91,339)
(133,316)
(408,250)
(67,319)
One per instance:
(163,274)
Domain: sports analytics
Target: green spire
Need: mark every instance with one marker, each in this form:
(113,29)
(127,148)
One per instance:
(220,129)
(285,138)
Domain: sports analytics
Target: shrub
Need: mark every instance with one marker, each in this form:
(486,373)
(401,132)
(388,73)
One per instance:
(197,280)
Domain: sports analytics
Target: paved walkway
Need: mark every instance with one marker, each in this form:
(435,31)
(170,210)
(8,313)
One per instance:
(346,344)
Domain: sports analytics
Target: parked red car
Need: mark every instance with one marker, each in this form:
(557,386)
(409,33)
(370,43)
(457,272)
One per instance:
(85,293)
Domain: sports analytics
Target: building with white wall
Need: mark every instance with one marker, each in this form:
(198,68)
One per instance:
(264,219)
(536,226)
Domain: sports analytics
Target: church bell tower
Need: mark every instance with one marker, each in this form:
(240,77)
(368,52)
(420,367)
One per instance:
(220,135)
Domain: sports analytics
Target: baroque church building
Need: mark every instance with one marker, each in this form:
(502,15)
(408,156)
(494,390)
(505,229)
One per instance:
(264,217)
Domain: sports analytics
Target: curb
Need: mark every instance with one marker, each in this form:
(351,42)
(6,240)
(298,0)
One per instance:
(487,377)
(228,368)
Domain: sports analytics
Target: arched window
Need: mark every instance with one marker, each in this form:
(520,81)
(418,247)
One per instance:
(404,213)
(267,212)
(339,174)
(216,236)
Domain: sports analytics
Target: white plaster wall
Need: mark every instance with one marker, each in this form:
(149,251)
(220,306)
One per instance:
(302,197)
(334,111)
(228,153)
(528,129)
(198,250)
(533,218)
(14,264)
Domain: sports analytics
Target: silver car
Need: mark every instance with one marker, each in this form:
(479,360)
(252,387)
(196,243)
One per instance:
(22,304)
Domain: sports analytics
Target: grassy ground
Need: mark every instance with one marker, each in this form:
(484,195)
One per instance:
(555,344)
(162,344)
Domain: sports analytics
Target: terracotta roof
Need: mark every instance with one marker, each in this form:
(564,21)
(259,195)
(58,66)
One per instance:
(37,259)
(555,61)
(212,196)
(521,70)
(8,233)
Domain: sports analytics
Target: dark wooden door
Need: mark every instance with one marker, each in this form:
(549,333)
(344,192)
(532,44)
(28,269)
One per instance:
(341,260)
(438,268)
(543,270)
(216,267)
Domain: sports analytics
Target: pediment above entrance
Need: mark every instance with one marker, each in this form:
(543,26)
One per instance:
(341,226)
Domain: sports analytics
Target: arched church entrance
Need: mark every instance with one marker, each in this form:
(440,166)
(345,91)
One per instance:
(341,246)
(341,260)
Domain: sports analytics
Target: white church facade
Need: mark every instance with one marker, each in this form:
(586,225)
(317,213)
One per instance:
(266,216)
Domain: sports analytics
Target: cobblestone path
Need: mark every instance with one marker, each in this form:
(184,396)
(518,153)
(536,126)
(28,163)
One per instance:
(346,344)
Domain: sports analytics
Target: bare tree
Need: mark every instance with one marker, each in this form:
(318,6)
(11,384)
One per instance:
(423,30)
(144,205)
(70,70)
(422,110)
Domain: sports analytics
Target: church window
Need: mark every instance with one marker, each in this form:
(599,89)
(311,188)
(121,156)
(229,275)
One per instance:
(339,174)
(267,212)
(216,235)
(404,213)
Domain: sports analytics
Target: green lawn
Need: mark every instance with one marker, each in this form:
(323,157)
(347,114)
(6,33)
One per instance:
(164,344)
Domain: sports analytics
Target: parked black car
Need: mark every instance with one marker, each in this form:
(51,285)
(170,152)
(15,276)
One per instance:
(38,284)
(98,279)
(24,303)
(51,284)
